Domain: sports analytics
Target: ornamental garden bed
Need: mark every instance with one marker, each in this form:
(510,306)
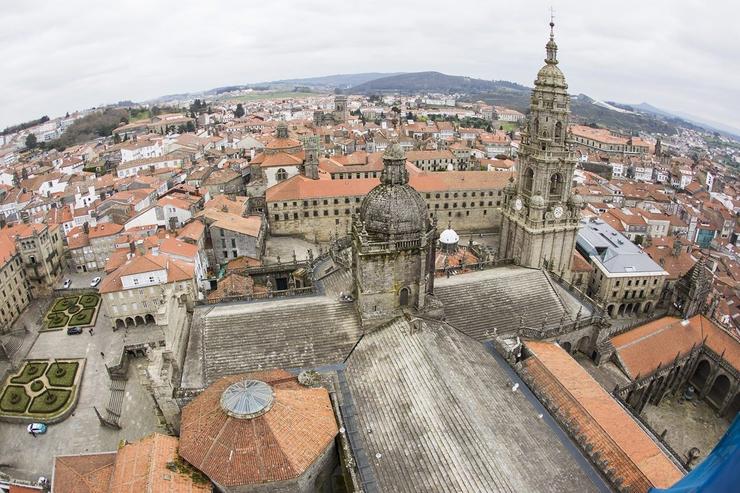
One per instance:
(42,390)
(70,311)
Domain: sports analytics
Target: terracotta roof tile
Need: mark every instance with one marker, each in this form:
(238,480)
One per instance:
(606,425)
(642,349)
(83,473)
(278,445)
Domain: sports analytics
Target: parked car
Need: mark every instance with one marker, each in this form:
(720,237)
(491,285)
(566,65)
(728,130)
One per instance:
(94,282)
(74,331)
(67,283)
(37,428)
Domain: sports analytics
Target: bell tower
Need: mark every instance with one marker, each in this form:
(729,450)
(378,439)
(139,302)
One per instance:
(540,216)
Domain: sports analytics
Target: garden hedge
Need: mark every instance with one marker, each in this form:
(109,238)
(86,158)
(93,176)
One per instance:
(31,371)
(66,379)
(18,405)
(89,300)
(56,320)
(63,304)
(41,405)
(83,317)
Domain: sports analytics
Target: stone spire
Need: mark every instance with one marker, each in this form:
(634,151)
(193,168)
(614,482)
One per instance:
(394,166)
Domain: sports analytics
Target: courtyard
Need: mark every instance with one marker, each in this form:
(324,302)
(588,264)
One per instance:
(25,457)
(687,424)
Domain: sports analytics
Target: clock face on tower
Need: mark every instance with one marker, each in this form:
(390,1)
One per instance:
(557,212)
(518,204)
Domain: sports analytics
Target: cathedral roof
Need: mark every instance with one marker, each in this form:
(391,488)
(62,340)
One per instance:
(433,412)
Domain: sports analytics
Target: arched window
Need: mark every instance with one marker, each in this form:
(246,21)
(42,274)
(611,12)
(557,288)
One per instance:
(536,127)
(556,185)
(282,174)
(528,179)
(558,130)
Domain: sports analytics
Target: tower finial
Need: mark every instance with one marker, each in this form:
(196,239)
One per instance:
(552,22)
(552,48)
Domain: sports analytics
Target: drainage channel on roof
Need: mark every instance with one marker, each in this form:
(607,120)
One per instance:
(247,399)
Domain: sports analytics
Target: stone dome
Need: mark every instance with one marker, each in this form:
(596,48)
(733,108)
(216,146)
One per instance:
(576,200)
(393,210)
(449,237)
(537,201)
(551,75)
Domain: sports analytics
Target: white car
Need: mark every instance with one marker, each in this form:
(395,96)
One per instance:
(37,428)
(94,282)
(67,283)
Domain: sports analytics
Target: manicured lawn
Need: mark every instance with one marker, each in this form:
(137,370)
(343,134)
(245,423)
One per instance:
(89,300)
(31,371)
(62,374)
(14,399)
(37,385)
(83,317)
(65,303)
(56,319)
(51,401)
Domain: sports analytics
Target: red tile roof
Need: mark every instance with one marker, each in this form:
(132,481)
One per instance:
(275,446)
(142,466)
(593,413)
(83,473)
(642,349)
(176,270)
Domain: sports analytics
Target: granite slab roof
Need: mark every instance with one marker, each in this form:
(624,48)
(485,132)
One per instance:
(279,333)
(436,413)
(481,301)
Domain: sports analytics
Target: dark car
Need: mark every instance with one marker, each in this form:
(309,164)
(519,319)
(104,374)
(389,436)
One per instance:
(74,330)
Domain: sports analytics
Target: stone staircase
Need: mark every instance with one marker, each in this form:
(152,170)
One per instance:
(478,302)
(115,402)
(284,333)
(339,281)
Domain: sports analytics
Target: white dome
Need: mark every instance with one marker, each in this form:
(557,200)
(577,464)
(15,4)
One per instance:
(449,237)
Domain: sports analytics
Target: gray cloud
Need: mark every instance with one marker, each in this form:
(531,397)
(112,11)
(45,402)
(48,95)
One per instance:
(61,56)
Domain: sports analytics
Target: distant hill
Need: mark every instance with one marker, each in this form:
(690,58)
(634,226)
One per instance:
(430,82)
(341,81)
(701,122)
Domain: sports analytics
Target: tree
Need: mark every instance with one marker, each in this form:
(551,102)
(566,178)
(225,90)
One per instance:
(239,111)
(31,141)
(116,138)
(190,127)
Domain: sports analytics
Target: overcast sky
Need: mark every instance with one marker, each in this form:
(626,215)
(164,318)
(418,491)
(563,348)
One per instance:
(58,56)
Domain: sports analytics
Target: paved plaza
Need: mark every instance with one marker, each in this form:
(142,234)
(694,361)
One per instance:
(25,457)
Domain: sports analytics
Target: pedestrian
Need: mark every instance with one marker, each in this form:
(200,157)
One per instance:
(33,433)
(91,331)
(102,354)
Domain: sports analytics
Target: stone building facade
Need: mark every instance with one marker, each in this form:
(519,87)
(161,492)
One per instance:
(320,209)
(41,249)
(540,215)
(15,293)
